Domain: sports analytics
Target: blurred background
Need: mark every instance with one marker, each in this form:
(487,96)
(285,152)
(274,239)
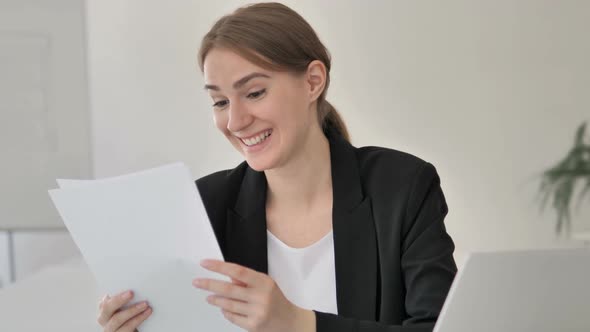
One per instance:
(490,92)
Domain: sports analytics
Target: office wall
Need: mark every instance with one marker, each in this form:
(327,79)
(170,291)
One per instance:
(489,92)
(44,125)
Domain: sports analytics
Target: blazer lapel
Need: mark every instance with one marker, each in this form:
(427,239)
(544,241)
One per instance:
(246,224)
(355,243)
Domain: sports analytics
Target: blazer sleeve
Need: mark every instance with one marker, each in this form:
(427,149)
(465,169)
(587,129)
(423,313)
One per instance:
(427,263)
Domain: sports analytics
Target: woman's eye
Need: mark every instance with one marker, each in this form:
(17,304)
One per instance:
(256,94)
(220,104)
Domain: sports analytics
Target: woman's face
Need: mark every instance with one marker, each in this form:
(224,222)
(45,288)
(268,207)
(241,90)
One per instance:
(266,115)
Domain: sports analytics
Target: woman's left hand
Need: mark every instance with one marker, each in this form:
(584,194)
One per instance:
(253,301)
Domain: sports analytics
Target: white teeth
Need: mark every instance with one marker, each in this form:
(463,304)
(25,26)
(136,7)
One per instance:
(257,139)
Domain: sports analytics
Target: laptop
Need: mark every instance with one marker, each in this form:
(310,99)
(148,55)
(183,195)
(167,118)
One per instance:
(540,291)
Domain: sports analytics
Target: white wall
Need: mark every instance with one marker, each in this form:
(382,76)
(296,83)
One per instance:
(489,92)
(43,125)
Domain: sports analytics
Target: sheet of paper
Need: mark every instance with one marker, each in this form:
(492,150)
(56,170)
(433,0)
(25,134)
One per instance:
(147,232)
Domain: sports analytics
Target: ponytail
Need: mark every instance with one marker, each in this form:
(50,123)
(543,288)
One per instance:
(331,121)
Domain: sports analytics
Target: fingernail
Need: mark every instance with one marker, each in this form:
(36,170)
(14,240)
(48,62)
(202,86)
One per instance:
(206,263)
(127,295)
(142,305)
(197,282)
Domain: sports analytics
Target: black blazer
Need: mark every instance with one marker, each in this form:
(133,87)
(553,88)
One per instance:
(393,257)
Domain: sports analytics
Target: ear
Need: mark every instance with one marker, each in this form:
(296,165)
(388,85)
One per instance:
(315,78)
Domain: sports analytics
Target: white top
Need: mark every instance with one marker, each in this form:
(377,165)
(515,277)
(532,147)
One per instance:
(307,275)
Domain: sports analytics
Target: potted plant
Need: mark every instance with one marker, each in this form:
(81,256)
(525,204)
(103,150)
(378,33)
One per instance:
(560,183)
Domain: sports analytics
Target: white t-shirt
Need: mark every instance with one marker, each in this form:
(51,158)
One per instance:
(307,276)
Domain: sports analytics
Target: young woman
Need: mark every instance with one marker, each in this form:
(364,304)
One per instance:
(317,235)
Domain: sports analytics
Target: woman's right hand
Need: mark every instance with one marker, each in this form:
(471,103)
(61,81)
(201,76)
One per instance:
(113,319)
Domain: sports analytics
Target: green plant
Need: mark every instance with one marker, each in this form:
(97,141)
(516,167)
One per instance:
(560,181)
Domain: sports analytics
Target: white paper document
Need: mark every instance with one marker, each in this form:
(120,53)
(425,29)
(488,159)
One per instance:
(147,232)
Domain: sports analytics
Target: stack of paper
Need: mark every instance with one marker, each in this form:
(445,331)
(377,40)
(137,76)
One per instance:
(147,232)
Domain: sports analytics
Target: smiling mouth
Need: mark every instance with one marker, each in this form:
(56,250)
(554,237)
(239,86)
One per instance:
(255,140)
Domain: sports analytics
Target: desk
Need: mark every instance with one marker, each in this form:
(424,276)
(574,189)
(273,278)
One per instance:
(60,298)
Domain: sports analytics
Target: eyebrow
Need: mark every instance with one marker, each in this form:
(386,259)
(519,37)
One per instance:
(239,83)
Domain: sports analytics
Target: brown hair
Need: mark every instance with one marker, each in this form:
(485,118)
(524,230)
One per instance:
(275,37)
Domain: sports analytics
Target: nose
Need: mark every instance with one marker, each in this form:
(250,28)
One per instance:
(239,117)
